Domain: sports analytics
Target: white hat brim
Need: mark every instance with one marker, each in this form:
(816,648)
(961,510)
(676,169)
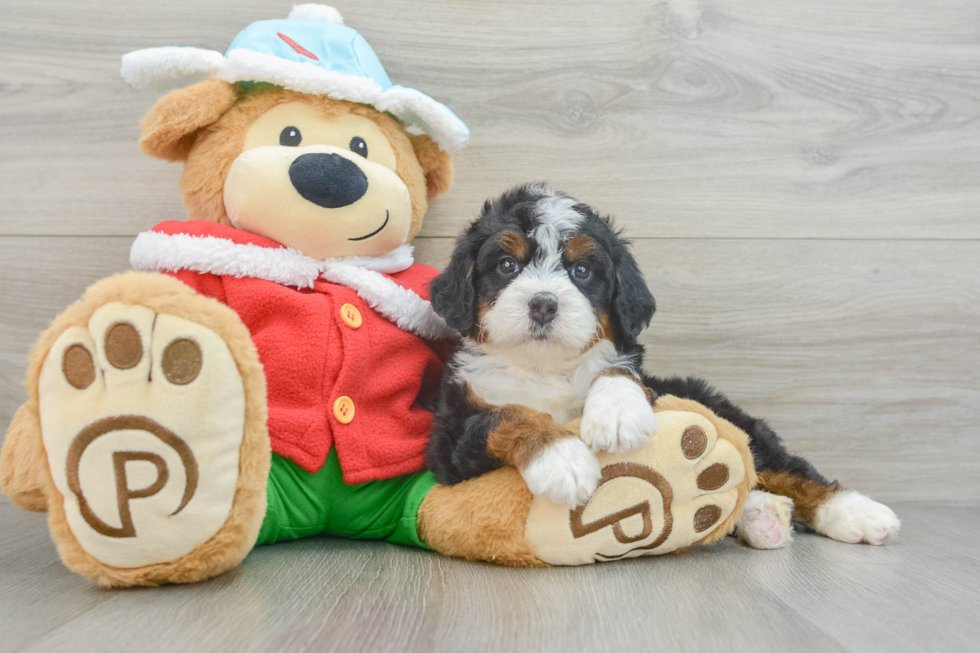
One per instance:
(154,68)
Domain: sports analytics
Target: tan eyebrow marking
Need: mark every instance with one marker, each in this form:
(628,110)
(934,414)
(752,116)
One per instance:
(514,244)
(578,247)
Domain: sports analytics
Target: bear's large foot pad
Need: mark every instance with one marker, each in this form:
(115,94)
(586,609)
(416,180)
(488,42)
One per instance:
(145,428)
(142,418)
(681,488)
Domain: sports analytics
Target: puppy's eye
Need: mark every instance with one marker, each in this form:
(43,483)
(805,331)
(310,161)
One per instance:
(290,137)
(581,271)
(508,266)
(358,146)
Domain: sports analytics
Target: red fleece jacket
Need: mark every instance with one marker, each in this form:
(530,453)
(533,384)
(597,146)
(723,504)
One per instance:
(311,355)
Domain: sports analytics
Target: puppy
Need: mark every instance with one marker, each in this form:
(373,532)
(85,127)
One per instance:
(549,302)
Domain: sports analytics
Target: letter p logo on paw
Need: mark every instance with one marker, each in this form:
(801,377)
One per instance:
(665,495)
(124,493)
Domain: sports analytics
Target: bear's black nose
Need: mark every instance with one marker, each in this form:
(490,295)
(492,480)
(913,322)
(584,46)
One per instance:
(328,180)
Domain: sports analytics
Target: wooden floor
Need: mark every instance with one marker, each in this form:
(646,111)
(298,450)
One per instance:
(802,181)
(919,593)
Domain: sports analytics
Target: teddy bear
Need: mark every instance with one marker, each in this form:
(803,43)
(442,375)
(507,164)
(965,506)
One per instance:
(268,370)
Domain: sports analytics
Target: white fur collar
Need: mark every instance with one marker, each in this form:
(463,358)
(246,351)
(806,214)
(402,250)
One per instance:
(154,251)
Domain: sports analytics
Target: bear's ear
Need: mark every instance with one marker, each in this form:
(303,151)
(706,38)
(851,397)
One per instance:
(170,127)
(436,164)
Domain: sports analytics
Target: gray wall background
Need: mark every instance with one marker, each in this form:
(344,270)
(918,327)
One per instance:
(800,180)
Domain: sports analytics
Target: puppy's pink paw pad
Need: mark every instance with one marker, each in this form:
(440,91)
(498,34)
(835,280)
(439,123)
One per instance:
(766,521)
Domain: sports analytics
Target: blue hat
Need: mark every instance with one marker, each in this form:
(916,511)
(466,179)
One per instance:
(310,52)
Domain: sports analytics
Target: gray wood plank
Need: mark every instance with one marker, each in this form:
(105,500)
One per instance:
(36,595)
(796,173)
(864,355)
(918,593)
(714,118)
(921,589)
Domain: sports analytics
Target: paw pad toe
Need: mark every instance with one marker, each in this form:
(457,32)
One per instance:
(706,517)
(182,361)
(693,442)
(78,366)
(123,346)
(713,477)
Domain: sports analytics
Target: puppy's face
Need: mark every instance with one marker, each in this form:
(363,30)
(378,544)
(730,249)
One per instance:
(544,276)
(542,282)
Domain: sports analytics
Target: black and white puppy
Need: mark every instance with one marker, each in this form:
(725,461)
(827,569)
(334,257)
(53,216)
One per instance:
(549,302)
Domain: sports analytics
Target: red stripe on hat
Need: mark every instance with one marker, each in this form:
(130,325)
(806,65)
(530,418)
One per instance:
(296,46)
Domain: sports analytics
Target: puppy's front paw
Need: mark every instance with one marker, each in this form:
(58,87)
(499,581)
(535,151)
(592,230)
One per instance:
(617,415)
(565,472)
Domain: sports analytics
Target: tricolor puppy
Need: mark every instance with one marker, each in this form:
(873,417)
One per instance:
(549,301)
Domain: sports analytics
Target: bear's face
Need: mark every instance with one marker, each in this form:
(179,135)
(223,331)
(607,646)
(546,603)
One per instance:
(327,177)
(301,170)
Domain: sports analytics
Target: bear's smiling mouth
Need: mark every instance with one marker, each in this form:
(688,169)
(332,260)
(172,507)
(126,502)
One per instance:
(376,231)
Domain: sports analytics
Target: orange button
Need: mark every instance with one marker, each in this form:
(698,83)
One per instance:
(350,315)
(343,410)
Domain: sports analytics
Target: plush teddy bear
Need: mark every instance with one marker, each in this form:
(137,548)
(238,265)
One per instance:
(268,371)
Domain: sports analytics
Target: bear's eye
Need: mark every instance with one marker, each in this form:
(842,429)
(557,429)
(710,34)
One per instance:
(290,137)
(358,146)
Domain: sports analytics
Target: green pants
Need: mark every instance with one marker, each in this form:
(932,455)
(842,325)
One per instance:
(302,504)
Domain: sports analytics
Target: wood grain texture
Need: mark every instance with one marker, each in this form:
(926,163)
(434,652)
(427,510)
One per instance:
(686,118)
(863,355)
(801,179)
(918,593)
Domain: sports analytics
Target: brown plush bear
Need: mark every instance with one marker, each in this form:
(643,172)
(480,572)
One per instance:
(267,372)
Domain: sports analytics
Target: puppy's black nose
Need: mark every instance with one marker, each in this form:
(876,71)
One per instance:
(328,180)
(543,307)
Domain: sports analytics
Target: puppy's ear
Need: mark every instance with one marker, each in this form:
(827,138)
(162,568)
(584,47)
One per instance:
(453,293)
(170,127)
(633,305)
(436,164)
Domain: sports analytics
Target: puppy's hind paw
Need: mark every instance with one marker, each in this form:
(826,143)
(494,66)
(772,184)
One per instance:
(566,472)
(857,519)
(766,521)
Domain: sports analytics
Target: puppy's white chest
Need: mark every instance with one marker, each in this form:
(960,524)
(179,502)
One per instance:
(549,392)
